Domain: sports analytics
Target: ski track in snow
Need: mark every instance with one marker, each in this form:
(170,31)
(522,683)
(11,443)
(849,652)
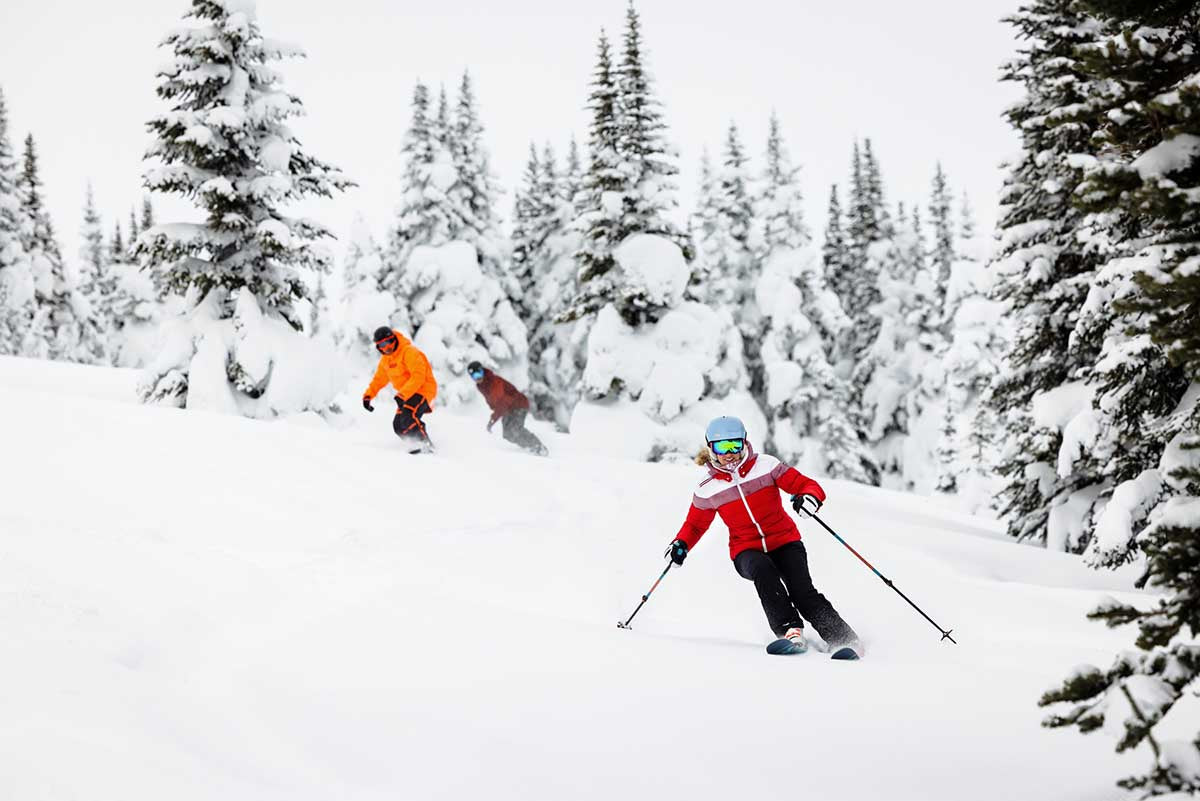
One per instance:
(198,606)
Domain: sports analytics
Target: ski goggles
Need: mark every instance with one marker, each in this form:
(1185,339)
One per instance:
(387,343)
(727,446)
(475,374)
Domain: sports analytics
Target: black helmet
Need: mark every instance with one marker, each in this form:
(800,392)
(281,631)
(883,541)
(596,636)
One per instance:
(382,332)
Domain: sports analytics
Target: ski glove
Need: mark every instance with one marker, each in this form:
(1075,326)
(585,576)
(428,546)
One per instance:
(677,552)
(806,503)
(367,404)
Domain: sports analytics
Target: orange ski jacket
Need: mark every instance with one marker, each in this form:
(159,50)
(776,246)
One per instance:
(408,371)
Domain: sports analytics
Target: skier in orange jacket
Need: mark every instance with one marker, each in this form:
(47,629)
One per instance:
(404,366)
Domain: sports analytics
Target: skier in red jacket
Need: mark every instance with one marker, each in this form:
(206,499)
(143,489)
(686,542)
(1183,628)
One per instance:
(509,405)
(764,543)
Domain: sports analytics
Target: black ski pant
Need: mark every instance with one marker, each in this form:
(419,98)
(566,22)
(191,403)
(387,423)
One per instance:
(516,432)
(407,423)
(788,595)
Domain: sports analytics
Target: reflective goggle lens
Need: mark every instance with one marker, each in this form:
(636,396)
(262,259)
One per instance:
(475,374)
(385,343)
(724,446)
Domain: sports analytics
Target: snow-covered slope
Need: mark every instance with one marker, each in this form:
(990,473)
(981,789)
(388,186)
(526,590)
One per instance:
(205,607)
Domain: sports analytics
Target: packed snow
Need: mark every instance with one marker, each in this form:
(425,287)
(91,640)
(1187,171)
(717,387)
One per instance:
(202,606)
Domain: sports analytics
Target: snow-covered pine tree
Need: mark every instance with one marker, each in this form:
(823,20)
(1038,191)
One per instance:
(854,281)
(601,202)
(971,358)
(116,245)
(628,187)
(966,218)
(897,376)
(556,350)
(779,202)
(147,220)
(16,277)
(425,216)
(728,244)
(648,159)
(474,191)
(702,226)
(226,143)
(1043,275)
(96,282)
(808,402)
(835,248)
(1146,104)
(876,222)
(529,210)
(60,317)
(572,176)
(942,223)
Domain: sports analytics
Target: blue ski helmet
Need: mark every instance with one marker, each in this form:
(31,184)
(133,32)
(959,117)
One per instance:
(724,428)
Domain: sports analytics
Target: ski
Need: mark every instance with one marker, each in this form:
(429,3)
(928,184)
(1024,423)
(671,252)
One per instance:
(784,647)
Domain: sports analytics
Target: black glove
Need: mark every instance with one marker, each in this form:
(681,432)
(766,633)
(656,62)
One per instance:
(367,404)
(809,504)
(677,552)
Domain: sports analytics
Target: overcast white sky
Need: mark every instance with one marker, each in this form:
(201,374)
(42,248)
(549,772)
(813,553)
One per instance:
(919,78)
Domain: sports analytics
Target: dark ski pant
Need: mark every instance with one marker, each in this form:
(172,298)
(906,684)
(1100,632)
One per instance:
(408,424)
(516,432)
(788,595)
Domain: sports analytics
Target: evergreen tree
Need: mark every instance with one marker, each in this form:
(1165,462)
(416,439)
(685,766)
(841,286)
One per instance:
(875,222)
(572,177)
(59,329)
(942,255)
(1044,273)
(147,221)
(134,229)
(527,210)
(1144,105)
(556,356)
(896,377)
(16,277)
(425,216)
(226,143)
(628,188)
(727,240)
(856,282)
(601,202)
(116,245)
(779,202)
(971,359)
(966,219)
(96,281)
(649,161)
(474,191)
(835,251)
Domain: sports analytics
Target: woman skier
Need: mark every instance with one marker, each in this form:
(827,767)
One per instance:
(764,543)
(403,365)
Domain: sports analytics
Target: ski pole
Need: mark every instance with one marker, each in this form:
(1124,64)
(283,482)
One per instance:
(625,625)
(886,580)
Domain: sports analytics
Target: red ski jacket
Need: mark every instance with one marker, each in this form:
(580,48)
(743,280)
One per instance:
(502,396)
(747,498)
